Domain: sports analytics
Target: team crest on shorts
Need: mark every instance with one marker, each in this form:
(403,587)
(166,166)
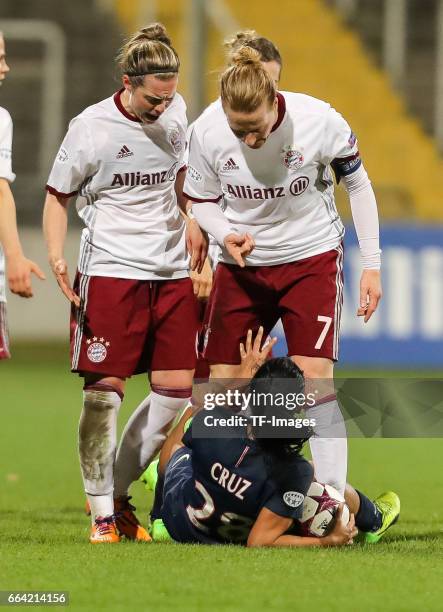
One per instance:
(97,349)
(292,158)
(174,139)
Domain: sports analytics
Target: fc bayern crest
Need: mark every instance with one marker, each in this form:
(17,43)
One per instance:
(97,349)
(174,139)
(292,158)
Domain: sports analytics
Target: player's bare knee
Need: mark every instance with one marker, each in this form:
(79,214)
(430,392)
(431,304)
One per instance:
(174,379)
(224,370)
(314,367)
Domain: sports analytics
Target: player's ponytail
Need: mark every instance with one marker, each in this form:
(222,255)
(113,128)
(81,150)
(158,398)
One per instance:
(245,85)
(249,38)
(148,51)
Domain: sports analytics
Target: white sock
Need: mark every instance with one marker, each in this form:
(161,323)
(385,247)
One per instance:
(100,505)
(97,445)
(329,445)
(143,437)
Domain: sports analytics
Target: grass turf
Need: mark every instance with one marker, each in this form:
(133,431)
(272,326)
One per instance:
(44,532)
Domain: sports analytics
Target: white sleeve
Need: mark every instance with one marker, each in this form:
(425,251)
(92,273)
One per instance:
(6,146)
(365,216)
(202,183)
(75,160)
(212,219)
(339,146)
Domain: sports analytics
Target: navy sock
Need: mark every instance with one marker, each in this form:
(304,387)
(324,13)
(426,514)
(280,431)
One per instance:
(158,498)
(369,517)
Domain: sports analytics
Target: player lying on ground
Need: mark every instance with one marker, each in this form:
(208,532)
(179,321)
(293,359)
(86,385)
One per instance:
(234,487)
(18,267)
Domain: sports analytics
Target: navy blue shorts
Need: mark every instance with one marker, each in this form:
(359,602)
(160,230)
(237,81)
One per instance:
(179,476)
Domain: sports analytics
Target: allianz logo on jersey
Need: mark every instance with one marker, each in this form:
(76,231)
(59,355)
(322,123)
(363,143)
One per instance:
(246,192)
(132,179)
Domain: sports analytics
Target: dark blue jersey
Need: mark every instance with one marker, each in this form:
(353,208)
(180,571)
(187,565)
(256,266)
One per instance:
(215,487)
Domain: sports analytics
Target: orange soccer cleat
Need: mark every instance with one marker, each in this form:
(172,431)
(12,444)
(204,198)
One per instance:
(126,521)
(104,531)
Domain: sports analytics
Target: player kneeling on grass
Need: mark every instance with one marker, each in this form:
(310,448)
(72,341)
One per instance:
(245,483)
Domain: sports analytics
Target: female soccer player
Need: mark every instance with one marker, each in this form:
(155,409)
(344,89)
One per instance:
(133,308)
(19,268)
(137,445)
(227,477)
(267,156)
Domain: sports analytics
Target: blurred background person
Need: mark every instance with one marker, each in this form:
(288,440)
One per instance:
(18,267)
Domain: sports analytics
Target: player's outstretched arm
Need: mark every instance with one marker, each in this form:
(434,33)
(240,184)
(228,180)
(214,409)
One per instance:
(270,530)
(253,353)
(19,268)
(365,216)
(55,225)
(174,440)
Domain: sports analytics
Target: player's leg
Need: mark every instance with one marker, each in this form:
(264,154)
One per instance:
(102,397)
(108,333)
(172,360)
(4,337)
(373,518)
(311,310)
(329,442)
(241,299)
(154,475)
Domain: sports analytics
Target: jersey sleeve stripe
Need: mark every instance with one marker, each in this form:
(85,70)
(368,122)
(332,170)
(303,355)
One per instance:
(60,194)
(201,201)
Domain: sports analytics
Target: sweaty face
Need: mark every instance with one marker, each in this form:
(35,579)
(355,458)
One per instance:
(4,68)
(151,99)
(253,128)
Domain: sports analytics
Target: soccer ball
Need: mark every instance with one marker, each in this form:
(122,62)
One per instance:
(319,509)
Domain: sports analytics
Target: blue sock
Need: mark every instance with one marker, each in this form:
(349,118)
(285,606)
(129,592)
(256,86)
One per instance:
(369,517)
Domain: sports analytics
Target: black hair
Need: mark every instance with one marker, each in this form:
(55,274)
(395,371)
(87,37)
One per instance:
(278,379)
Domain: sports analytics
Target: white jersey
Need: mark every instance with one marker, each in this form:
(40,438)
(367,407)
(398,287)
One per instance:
(5,173)
(123,173)
(282,193)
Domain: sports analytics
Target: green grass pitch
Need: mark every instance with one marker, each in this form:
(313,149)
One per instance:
(43,531)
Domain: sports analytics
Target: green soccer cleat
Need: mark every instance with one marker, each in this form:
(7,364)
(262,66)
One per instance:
(389,506)
(158,531)
(150,475)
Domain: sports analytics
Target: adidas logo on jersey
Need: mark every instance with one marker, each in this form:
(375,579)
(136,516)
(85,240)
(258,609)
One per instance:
(124,152)
(230,165)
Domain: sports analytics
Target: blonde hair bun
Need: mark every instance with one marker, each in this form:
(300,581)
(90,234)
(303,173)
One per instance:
(245,56)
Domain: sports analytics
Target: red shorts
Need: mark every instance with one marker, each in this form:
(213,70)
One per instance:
(4,337)
(125,327)
(307,295)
